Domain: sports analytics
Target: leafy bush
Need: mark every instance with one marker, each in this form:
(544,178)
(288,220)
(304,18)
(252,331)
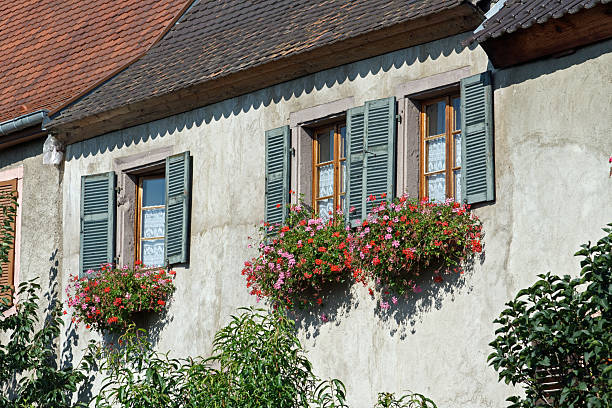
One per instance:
(294,266)
(410,400)
(560,330)
(109,298)
(400,240)
(257,362)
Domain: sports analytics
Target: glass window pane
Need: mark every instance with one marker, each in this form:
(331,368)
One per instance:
(436,154)
(326,180)
(325,208)
(342,176)
(342,142)
(436,118)
(457,113)
(436,187)
(342,203)
(153,191)
(326,146)
(152,252)
(153,223)
(458,186)
(458,150)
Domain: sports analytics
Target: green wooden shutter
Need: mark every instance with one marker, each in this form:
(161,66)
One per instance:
(371,134)
(178,193)
(477,171)
(278,174)
(97,221)
(355,190)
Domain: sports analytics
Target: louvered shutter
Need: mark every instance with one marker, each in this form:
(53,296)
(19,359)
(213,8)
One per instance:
(97,221)
(355,190)
(178,192)
(278,174)
(477,171)
(371,154)
(8,190)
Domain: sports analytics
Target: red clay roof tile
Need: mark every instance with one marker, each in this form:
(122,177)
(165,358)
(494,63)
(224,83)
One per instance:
(53,50)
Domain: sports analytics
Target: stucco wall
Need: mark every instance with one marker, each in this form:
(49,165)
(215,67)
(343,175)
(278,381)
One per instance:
(40,218)
(552,130)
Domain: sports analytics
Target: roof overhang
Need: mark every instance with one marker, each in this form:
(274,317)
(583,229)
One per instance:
(460,19)
(555,37)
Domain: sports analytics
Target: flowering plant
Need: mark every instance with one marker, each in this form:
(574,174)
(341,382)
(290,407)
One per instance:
(107,299)
(400,239)
(297,259)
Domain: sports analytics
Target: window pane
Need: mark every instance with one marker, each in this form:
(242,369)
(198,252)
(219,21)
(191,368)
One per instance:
(436,187)
(342,203)
(326,146)
(326,180)
(152,252)
(436,118)
(342,142)
(436,154)
(458,186)
(326,208)
(457,113)
(458,150)
(153,223)
(153,191)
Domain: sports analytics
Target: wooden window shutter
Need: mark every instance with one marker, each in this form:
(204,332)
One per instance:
(178,198)
(355,190)
(8,195)
(97,221)
(371,134)
(278,174)
(477,170)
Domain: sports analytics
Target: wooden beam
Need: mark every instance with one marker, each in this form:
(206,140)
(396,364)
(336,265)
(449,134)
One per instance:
(554,37)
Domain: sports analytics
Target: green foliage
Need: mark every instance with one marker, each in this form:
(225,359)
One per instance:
(29,372)
(561,326)
(410,400)
(257,362)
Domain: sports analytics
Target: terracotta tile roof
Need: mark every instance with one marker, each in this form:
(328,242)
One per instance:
(521,14)
(217,38)
(52,50)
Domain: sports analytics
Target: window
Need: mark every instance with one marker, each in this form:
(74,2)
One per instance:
(150,220)
(441,148)
(329,168)
(153,199)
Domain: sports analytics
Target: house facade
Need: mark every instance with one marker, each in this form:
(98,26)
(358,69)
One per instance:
(178,158)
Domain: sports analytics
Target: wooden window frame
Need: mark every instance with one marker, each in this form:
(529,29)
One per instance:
(336,161)
(449,134)
(138,217)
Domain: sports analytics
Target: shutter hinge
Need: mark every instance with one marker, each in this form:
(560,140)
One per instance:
(398,117)
(293,151)
(366,151)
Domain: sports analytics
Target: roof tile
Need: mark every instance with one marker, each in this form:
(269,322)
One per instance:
(52,50)
(219,37)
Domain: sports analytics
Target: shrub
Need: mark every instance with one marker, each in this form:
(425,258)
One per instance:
(109,298)
(559,330)
(305,254)
(400,240)
(410,400)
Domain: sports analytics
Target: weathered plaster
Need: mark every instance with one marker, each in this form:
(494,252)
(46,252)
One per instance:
(553,193)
